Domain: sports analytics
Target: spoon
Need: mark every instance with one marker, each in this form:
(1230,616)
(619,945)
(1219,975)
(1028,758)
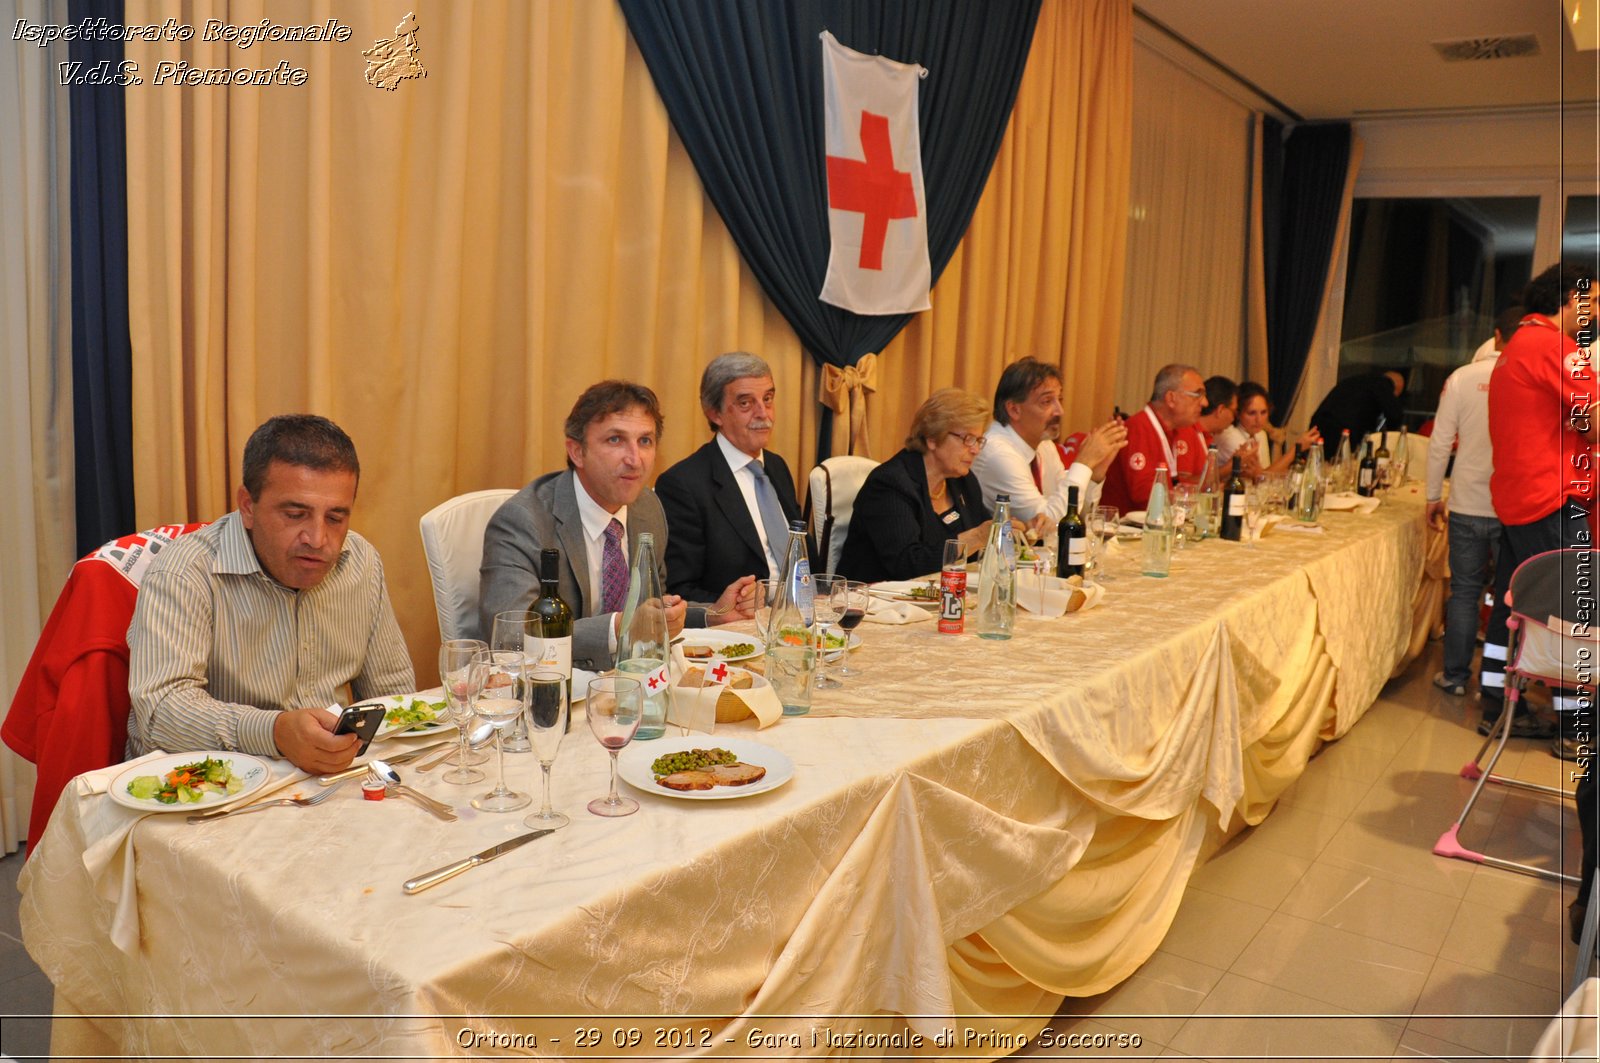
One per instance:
(476,738)
(391,778)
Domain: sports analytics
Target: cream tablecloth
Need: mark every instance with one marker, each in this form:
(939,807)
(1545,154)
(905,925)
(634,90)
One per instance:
(974,829)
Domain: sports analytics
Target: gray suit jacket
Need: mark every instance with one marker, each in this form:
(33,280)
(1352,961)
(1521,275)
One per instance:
(545,513)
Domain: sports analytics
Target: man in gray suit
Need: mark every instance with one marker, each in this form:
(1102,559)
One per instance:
(594,512)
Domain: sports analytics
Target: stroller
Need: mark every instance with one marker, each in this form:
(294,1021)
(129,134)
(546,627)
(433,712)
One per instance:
(1555,639)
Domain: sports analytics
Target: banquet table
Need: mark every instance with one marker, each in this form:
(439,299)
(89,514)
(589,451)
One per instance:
(974,830)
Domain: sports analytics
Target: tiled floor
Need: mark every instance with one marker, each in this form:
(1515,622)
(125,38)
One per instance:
(1334,911)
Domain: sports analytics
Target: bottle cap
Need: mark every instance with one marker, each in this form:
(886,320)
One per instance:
(373,790)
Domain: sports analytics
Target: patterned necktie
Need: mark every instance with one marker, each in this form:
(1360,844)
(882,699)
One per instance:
(772,518)
(613,570)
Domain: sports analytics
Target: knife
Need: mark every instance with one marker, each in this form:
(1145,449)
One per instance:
(399,758)
(438,875)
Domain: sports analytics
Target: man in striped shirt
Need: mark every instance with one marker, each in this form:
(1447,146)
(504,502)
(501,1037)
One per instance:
(246,630)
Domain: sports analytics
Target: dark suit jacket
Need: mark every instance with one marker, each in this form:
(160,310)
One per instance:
(545,513)
(894,533)
(714,539)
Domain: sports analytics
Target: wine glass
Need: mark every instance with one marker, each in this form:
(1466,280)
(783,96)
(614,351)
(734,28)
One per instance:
(850,602)
(614,706)
(457,675)
(518,631)
(825,614)
(1102,523)
(1183,500)
(547,722)
(1252,513)
(766,592)
(501,700)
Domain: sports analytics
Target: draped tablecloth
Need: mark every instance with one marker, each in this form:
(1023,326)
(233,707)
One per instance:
(974,829)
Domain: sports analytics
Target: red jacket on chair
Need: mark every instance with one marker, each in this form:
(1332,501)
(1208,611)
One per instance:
(70,714)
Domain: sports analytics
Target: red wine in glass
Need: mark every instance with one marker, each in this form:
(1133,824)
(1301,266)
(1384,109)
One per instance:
(850,618)
(614,706)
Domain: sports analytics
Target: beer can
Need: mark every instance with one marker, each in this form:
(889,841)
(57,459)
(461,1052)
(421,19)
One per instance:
(952,600)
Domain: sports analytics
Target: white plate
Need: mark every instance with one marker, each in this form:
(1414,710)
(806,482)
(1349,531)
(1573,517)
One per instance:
(718,639)
(441,723)
(251,770)
(633,766)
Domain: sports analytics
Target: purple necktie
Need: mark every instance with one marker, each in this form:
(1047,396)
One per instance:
(613,570)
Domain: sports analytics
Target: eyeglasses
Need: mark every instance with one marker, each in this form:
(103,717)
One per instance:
(1201,395)
(970,441)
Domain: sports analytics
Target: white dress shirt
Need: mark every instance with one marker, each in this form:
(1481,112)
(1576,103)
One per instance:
(1005,466)
(745,477)
(1463,420)
(595,521)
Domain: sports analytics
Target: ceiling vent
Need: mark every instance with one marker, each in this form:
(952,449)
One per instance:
(1487,48)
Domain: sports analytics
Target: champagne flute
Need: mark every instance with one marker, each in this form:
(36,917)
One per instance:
(457,675)
(518,631)
(614,707)
(825,615)
(501,700)
(1252,514)
(1103,522)
(850,602)
(547,722)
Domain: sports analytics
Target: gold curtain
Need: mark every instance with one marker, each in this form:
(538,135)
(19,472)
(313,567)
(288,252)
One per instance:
(443,267)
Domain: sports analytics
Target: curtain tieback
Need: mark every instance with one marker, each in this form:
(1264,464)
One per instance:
(844,391)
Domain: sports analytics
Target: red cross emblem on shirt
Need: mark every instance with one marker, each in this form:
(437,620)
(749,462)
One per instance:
(873,187)
(720,672)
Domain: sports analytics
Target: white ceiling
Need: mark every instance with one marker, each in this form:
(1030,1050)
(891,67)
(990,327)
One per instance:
(1361,58)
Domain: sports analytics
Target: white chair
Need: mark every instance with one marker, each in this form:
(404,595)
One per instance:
(831,491)
(452,537)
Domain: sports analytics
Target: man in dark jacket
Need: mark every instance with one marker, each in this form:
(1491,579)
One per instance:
(1356,403)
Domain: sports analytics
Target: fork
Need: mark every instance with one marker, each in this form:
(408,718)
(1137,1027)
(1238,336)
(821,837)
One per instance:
(303,802)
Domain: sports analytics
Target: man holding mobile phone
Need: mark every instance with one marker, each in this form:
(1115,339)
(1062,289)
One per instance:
(245,630)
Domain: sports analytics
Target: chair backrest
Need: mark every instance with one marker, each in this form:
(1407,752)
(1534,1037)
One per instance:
(1555,630)
(452,538)
(830,499)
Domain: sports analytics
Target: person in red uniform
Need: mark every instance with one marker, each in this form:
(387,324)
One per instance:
(1542,486)
(1163,433)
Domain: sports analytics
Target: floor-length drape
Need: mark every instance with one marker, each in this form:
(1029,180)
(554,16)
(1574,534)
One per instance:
(1187,223)
(36,522)
(441,268)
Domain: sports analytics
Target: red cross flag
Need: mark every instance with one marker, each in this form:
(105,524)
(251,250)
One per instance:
(716,673)
(877,211)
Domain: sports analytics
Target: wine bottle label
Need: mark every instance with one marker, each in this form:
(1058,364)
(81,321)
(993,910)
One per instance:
(556,655)
(1077,551)
(1236,505)
(1366,477)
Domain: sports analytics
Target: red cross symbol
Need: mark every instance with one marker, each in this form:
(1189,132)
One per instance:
(873,187)
(654,681)
(720,672)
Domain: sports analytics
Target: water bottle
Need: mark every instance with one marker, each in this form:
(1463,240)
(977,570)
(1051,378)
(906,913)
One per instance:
(791,659)
(643,648)
(997,576)
(1308,500)
(1208,501)
(1343,467)
(1158,528)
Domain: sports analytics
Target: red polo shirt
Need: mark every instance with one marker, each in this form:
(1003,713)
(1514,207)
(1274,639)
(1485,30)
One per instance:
(1540,382)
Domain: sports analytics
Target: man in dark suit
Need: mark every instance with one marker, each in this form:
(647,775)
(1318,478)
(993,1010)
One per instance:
(594,512)
(729,503)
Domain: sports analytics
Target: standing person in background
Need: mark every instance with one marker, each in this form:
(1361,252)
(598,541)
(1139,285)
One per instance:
(729,503)
(1163,433)
(1356,403)
(1542,427)
(1462,426)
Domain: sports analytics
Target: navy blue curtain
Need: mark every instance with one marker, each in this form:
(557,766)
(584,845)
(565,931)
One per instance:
(102,356)
(1302,188)
(742,83)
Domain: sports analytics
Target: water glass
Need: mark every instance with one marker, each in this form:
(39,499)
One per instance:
(501,700)
(766,591)
(457,675)
(518,631)
(826,615)
(1102,524)
(614,707)
(547,723)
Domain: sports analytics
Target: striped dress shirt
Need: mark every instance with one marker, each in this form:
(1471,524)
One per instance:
(217,647)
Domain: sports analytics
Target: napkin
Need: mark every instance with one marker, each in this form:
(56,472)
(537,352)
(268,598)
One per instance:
(1303,529)
(1347,500)
(109,860)
(880,611)
(1049,595)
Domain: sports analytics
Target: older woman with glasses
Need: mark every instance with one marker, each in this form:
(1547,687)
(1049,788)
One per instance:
(923,495)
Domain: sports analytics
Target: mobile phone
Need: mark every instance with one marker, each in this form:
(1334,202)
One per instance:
(362,721)
(1116,411)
